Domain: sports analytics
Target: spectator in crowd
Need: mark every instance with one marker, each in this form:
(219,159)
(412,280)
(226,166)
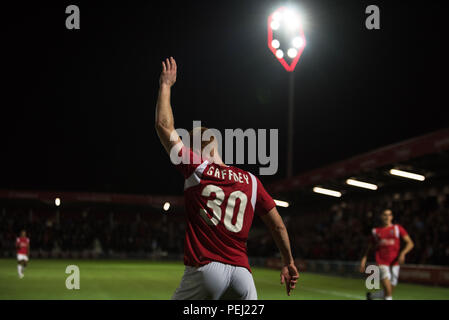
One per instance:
(336,233)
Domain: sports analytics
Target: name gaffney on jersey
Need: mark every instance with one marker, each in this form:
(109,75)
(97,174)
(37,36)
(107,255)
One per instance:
(226,173)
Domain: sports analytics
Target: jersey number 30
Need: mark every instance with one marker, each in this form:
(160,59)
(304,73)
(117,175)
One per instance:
(215,204)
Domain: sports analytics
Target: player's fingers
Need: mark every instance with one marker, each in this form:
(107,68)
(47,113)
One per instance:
(287,281)
(282,279)
(167,61)
(167,64)
(164,68)
(173,62)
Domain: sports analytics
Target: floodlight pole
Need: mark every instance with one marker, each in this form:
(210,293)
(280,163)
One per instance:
(273,45)
(291,97)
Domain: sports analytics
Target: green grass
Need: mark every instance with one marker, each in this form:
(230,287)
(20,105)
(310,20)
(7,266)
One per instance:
(105,279)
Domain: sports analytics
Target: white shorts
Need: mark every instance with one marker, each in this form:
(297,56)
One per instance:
(215,281)
(389,272)
(21,257)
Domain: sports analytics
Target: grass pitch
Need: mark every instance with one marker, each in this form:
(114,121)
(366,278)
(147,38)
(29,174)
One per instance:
(131,279)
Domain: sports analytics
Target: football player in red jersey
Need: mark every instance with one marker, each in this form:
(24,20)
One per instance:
(386,241)
(220,203)
(23,249)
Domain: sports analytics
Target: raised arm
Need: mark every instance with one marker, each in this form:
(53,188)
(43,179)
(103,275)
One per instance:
(289,272)
(164,121)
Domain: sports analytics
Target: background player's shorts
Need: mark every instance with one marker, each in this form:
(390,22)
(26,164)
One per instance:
(21,257)
(215,281)
(389,272)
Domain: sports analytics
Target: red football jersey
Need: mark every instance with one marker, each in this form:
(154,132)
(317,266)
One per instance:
(220,203)
(387,241)
(22,245)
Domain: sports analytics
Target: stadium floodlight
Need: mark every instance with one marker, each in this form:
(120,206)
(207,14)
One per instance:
(298,42)
(277,16)
(286,35)
(287,23)
(327,192)
(291,19)
(292,52)
(361,184)
(57,202)
(408,175)
(275,25)
(166,206)
(275,43)
(281,203)
(279,54)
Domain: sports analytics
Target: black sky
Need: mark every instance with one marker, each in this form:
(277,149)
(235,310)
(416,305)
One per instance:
(77,108)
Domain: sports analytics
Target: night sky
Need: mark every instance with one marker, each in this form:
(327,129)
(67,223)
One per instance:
(77,106)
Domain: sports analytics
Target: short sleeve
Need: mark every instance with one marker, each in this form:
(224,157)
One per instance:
(264,202)
(187,161)
(402,231)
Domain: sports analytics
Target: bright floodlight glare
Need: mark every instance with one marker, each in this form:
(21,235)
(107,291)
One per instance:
(281,203)
(166,206)
(57,202)
(279,54)
(361,184)
(275,25)
(298,42)
(291,19)
(275,43)
(277,16)
(292,52)
(408,175)
(327,192)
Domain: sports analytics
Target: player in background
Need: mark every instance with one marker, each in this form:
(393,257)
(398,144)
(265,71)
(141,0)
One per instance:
(23,249)
(386,240)
(220,203)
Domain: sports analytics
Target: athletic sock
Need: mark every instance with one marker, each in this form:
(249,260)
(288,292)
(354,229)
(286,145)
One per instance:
(389,298)
(19,269)
(379,294)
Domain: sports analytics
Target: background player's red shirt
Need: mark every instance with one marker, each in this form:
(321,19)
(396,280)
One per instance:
(22,245)
(387,241)
(220,204)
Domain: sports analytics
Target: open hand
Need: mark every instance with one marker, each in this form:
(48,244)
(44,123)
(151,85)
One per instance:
(289,276)
(168,74)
